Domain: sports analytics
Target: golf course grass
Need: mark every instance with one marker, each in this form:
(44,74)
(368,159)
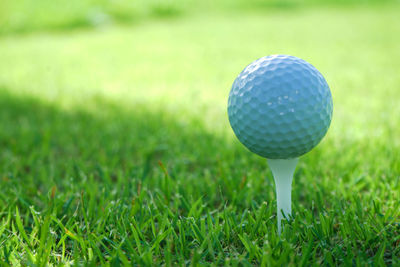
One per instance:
(116,150)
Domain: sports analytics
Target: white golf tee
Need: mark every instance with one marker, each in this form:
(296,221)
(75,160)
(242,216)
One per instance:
(283,170)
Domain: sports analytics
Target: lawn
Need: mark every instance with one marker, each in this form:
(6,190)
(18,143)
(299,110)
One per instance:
(115,147)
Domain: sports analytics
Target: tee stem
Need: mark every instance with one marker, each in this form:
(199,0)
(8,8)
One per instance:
(282,170)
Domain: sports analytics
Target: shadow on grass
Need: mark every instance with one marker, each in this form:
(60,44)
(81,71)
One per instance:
(115,150)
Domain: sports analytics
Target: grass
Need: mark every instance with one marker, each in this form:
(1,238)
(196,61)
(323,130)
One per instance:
(116,149)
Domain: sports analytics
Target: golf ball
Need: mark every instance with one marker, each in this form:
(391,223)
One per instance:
(280,107)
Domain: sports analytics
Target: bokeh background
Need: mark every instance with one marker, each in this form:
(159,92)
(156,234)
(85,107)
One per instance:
(114,110)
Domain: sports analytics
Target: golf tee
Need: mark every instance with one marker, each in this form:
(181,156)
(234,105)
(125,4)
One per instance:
(282,170)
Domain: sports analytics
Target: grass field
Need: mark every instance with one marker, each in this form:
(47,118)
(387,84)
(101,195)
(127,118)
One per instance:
(115,147)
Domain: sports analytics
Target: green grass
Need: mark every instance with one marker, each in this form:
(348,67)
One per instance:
(116,149)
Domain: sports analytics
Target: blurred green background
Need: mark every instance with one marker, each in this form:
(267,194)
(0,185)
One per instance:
(115,147)
(29,15)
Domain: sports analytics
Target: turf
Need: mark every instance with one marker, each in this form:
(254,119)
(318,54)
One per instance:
(116,149)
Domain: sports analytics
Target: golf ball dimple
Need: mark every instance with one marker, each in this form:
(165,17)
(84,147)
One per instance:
(280,107)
